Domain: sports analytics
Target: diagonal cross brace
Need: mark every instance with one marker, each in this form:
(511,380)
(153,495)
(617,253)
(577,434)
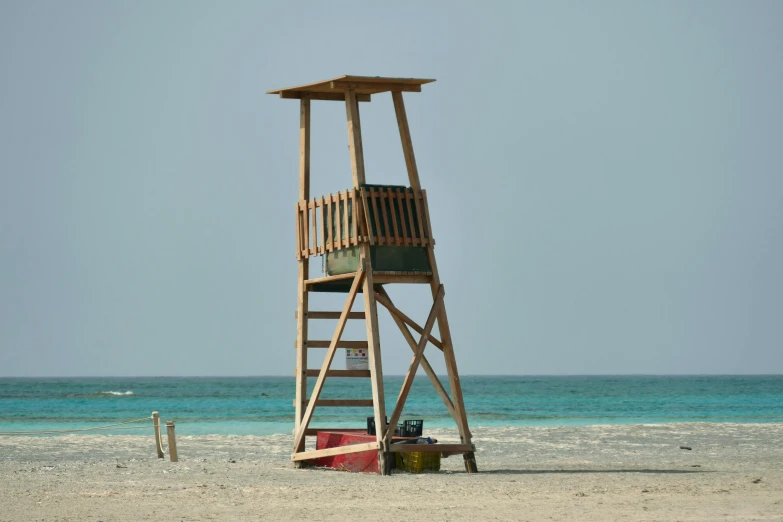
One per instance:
(408,382)
(338,332)
(386,301)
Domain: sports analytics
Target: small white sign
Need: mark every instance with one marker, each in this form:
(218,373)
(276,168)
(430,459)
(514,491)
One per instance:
(356,359)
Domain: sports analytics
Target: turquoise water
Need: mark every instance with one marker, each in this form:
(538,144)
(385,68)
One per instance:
(263,405)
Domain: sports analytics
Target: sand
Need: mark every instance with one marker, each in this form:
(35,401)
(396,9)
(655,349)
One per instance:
(632,472)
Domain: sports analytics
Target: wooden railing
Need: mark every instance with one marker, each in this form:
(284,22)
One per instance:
(392,216)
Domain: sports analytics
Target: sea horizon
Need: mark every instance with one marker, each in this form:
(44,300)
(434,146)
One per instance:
(246,405)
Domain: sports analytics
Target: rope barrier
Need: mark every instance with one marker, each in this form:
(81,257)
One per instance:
(97,428)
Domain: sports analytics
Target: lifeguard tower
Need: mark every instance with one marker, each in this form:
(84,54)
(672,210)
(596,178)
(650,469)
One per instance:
(370,236)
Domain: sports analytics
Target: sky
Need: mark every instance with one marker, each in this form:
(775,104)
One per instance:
(605,181)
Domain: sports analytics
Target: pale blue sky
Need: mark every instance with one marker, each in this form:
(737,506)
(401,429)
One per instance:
(605,181)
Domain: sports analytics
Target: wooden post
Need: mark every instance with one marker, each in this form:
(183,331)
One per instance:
(172,441)
(443,321)
(156,426)
(370,308)
(304,274)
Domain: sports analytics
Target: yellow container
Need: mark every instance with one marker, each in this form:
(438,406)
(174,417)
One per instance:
(418,461)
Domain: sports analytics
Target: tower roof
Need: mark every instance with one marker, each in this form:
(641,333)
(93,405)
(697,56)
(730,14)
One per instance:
(362,85)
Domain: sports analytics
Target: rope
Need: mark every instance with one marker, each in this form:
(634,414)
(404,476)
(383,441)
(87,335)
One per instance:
(98,428)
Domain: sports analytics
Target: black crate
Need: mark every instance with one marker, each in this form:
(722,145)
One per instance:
(411,428)
(371,425)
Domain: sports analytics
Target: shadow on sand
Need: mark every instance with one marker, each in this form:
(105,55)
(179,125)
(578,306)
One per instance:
(575,471)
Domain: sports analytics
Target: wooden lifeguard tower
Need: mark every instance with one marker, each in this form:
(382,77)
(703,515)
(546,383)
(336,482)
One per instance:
(370,236)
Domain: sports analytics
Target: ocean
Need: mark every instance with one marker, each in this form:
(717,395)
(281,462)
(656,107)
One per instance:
(264,405)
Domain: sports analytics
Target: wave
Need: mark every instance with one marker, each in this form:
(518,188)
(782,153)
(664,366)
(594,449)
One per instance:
(116,393)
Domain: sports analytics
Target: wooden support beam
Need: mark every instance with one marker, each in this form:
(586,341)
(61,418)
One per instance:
(304,269)
(381,279)
(354,138)
(319,384)
(328,279)
(340,373)
(347,403)
(331,315)
(324,96)
(444,395)
(414,366)
(383,298)
(372,86)
(312,432)
(405,138)
(339,450)
(431,448)
(340,344)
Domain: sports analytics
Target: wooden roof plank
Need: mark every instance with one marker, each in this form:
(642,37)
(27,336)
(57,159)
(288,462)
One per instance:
(367,85)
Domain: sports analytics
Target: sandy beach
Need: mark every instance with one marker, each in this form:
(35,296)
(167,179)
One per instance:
(631,472)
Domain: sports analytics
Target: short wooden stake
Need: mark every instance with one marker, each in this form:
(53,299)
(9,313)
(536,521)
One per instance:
(156,426)
(172,441)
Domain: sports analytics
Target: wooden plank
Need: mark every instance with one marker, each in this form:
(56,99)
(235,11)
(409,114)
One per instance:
(340,373)
(346,221)
(411,223)
(354,138)
(329,224)
(340,344)
(392,198)
(412,279)
(367,222)
(419,216)
(355,213)
(343,403)
(319,384)
(444,395)
(431,448)
(298,235)
(327,279)
(304,269)
(383,298)
(339,450)
(338,223)
(322,212)
(387,237)
(405,235)
(414,366)
(322,96)
(405,138)
(373,87)
(311,432)
(314,250)
(332,315)
(377,216)
(305,227)
(428,223)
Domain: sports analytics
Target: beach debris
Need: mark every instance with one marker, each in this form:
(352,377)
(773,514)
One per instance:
(232,461)
(696,466)
(645,491)
(686,448)
(581,494)
(757,481)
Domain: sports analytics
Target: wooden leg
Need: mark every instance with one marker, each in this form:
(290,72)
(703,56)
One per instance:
(451,365)
(301,352)
(376,367)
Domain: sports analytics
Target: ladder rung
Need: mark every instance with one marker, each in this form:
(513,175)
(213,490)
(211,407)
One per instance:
(330,315)
(353,403)
(340,373)
(340,344)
